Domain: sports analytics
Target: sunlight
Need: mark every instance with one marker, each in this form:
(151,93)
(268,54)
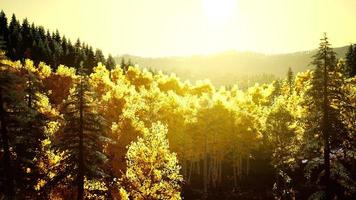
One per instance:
(218,12)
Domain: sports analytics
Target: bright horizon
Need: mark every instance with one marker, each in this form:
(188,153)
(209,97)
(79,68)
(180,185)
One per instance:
(159,28)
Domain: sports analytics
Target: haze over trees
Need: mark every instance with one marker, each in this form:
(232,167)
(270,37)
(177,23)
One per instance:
(96,130)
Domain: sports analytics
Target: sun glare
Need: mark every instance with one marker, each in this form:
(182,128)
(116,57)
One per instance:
(218,12)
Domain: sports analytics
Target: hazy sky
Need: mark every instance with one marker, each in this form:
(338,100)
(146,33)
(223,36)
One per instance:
(184,27)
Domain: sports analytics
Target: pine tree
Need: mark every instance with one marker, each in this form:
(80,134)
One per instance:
(110,62)
(11,100)
(30,133)
(99,57)
(27,40)
(4,29)
(323,125)
(22,129)
(350,70)
(125,65)
(14,39)
(82,137)
(290,75)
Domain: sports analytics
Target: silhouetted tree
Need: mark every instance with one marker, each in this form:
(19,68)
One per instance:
(29,41)
(99,57)
(350,67)
(110,62)
(290,75)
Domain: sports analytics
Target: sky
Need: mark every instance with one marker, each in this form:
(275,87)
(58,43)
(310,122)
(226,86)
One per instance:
(156,28)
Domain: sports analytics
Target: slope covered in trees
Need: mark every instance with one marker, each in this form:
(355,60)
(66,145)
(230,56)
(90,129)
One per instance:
(28,41)
(231,67)
(134,134)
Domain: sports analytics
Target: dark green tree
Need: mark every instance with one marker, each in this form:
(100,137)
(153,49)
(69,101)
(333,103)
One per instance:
(82,138)
(325,131)
(110,62)
(14,39)
(350,67)
(11,100)
(4,29)
(27,40)
(290,77)
(22,131)
(99,57)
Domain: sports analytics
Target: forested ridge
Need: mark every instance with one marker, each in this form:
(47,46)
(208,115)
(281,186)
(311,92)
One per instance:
(28,41)
(96,132)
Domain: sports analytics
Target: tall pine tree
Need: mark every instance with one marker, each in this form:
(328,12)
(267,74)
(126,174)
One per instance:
(82,138)
(350,67)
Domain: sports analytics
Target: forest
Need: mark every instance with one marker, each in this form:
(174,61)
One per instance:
(74,125)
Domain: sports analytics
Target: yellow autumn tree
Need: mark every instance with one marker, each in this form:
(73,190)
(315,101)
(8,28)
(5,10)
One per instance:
(152,170)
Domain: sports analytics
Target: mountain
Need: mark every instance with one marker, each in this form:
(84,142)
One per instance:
(229,67)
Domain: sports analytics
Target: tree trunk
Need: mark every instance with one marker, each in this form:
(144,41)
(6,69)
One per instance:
(190,171)
(234,167)
(205,167)
(325,130)
(8,173)
(29,92)
(81,157)
(220,172)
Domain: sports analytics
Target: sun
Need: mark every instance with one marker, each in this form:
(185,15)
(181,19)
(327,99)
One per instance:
(218,12)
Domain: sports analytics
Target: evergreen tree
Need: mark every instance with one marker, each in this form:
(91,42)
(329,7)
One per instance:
(78,53)
(99,57)
(90,59)
(290,75)
(27,40)
(10,101)
(323,125)
(2,43)
(4,29)
(15,39)
(350,68)
(30,134)
(22,131)
(82,138)
(110,62)
(125,65)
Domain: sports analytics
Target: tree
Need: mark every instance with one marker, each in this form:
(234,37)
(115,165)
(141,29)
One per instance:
(11,100)
(99,57)
(27,40)
(290,79)
(323,124)
(152,170)
(14,39)
(280,129)
(350,70)
(4,29)
(110,62)
(82,138)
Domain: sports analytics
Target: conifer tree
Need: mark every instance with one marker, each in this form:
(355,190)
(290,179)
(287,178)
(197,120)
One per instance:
(290,75)
(22,129)
(99,57)
(81,138)
(324,128)
(110,62)
(10,100)
(350,67)
(4,30)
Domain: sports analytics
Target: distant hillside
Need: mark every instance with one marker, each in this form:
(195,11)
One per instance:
(232,66)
